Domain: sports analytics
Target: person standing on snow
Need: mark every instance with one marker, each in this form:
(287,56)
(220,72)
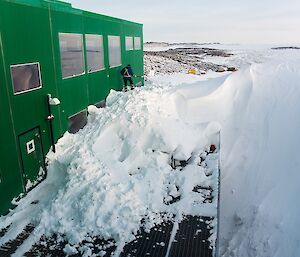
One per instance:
(127,74)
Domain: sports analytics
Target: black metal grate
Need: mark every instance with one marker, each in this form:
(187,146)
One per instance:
(10,247)
(191,239)
(48,246)
(151,244)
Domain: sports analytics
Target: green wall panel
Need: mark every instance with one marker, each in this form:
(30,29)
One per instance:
(73,91)
(27,39)
(10,169)
(98,81)
(29,32)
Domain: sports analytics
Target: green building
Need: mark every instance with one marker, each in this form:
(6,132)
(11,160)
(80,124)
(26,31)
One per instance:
(55,60)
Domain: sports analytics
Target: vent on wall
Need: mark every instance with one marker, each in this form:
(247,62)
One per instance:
(101,104)
(77,121)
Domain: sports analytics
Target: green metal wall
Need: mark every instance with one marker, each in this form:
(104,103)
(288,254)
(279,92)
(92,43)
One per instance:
(10,176)
(29,33)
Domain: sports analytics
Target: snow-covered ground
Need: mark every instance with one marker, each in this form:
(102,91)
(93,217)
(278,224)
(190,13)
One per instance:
(115,175)
(116,170)
(258,108)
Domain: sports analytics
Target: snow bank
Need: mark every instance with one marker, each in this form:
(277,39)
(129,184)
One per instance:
(116,175)
(260,146)
(258,109)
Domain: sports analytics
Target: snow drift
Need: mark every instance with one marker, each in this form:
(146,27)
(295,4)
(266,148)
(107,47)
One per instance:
(114,176)
(258,109)
(260,145)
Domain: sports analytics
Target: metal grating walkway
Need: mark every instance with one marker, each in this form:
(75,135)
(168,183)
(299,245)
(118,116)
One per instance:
(150,244)
(191,240)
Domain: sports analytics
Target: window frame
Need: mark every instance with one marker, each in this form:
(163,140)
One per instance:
(83,55)
(103,56)
(140,43)
(118,65)
(132,39)
(29,90)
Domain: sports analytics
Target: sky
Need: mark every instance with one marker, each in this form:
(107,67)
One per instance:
(230,21)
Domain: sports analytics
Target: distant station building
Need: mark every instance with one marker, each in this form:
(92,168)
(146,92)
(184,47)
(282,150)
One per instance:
(55,60)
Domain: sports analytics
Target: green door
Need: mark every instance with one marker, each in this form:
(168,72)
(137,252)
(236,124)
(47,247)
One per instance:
(32,158)
(115,80)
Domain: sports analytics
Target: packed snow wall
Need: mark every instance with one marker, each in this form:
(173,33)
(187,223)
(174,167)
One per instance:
(258,110)
(260,160)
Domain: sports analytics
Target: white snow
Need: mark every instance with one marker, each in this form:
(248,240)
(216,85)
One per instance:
(70,249)
(116,170)
(260,146)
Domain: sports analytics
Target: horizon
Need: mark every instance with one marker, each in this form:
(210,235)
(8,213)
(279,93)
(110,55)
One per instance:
(256,22)
(224,43)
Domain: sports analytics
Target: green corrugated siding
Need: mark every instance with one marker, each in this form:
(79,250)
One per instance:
(10,176)
(29,32)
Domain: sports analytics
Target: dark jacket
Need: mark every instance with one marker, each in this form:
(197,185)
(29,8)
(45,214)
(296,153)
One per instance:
(127,72)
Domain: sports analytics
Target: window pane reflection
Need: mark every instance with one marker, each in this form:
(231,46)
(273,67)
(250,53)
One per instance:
(137,43)
(94,52)
(114,51)
(129,43)
(71,53)
(25,77)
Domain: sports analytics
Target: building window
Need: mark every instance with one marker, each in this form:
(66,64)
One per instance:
(137,43)
(114,51)
(71,54)
(94,52)
(129,43)
(26,77)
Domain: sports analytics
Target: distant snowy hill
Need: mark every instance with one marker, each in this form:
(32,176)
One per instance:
(161,46)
